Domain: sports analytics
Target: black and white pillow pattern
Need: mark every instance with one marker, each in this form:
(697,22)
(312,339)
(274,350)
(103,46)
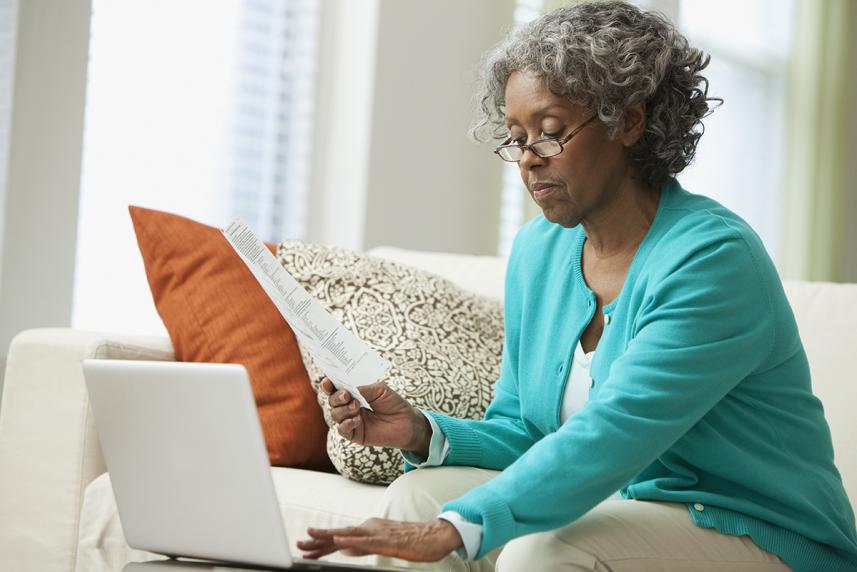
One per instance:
(444,342)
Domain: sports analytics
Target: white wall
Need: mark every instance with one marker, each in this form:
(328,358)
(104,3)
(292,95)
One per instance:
(343,110)
(429,186)
(43,175)
(393,163)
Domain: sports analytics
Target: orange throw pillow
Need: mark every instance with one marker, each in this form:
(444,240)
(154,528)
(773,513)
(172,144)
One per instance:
(215,311)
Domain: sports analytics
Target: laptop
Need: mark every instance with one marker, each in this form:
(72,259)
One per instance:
(188,463)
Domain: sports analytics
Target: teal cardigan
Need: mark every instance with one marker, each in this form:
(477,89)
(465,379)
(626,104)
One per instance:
(701,394)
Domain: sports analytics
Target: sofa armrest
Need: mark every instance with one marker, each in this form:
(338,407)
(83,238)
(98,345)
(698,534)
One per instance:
(49,451)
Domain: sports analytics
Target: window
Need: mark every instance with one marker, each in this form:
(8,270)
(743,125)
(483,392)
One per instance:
(740,159)
(195,107)
(8,21)
(514,194)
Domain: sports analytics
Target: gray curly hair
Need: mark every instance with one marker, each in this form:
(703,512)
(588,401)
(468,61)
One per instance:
(609,56)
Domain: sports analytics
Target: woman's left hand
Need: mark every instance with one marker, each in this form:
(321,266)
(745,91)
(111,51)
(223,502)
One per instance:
(415,541)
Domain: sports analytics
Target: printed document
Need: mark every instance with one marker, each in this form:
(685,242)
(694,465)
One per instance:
(344,358)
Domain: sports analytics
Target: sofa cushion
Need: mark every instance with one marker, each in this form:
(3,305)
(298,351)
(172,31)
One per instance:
(216,311)
(306,498)
(483,275)
(825,315)
(444,343)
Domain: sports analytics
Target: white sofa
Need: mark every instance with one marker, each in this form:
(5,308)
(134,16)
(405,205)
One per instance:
(56,506)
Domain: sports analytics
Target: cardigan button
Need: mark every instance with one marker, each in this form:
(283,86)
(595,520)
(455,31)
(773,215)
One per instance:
(606,319)
(698,506)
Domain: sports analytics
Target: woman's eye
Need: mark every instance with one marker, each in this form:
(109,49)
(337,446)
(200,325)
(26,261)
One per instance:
(522,140)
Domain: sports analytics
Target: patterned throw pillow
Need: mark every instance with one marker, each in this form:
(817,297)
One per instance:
(444,342)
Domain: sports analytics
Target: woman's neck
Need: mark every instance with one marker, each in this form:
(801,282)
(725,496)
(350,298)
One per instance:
(623,223)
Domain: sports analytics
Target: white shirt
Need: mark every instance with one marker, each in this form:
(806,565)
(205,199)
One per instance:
(574,398)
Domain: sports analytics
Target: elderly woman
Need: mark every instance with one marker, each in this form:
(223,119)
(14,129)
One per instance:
(654,408)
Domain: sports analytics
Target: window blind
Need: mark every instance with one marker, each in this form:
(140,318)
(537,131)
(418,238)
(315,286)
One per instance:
(199,108)
(273,127)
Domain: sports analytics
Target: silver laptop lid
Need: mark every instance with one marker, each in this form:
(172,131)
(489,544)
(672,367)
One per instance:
(187,460)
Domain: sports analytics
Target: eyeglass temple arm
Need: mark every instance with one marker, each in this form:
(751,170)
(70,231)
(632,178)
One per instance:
(577,129)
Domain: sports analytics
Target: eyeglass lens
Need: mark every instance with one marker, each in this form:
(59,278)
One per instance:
(546,148)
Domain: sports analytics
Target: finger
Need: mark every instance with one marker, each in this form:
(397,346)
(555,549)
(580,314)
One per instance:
(327,386)
(339,398)
(349,427)
(316,554)
(331,532)
(373,391)
(343,412)
(315,543)
(319,552)
(317,547)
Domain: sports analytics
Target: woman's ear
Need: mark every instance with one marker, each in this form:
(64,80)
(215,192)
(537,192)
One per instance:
(633,124)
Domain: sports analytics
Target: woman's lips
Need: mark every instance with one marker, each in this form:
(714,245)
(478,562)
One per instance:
(540,191)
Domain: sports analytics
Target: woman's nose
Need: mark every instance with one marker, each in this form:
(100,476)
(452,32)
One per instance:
(530,160)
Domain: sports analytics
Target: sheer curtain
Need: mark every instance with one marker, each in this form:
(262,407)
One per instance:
(196,107)
(821,181)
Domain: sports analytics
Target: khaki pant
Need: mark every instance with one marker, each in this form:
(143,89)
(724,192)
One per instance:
(615,536)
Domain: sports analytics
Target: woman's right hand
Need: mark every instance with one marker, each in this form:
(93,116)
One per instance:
(393,422)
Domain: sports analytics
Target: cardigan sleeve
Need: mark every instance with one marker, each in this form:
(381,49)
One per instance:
(495,441)
(501,436)
(703,328)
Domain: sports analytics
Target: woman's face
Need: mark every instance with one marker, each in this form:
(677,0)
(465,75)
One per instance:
(586,176)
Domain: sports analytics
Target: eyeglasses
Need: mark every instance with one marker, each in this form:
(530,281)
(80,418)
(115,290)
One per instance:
(542,148)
